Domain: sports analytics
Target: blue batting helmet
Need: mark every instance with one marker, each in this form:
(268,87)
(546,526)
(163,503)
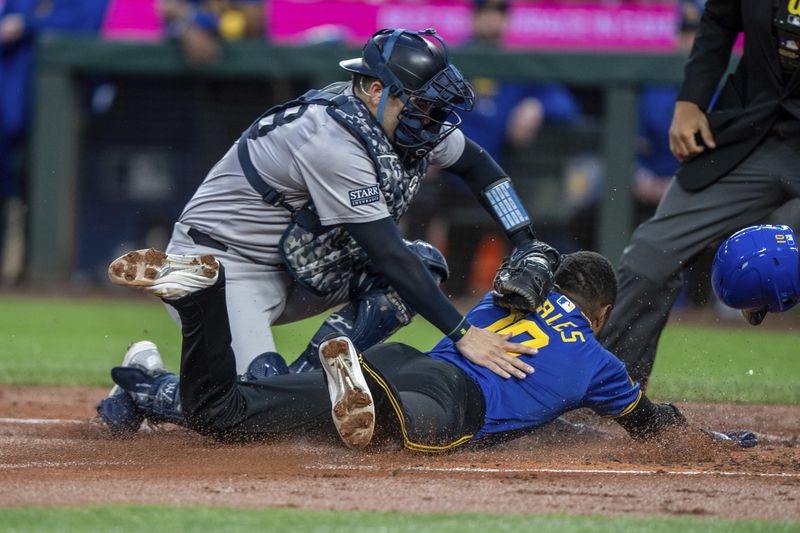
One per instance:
(757,268)
(414,69)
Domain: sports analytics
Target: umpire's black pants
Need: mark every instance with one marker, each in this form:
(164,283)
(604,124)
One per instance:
(430,404)
(684,224)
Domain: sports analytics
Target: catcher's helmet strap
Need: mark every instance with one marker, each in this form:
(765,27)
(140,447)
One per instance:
(383,71)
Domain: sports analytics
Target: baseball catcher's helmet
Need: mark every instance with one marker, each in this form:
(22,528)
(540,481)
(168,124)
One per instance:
(757,268)
(418,72)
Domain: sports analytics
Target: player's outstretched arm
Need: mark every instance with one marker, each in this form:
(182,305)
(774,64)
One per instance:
(493,188)
(650,420)
(664,423)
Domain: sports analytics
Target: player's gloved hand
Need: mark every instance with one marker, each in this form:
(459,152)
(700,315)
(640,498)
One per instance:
(524,279)
(490,350)
(755,317)
(742,439)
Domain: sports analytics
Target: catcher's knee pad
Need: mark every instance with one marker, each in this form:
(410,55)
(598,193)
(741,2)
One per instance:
(368,320)
(266,365)
(368,280)
(379,314)
(340,322)
(375,311)
(431,257)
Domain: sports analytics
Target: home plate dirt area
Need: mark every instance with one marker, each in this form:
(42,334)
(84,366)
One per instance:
(52,452)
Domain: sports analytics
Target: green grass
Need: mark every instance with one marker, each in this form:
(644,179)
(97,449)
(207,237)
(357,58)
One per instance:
(76,342)
(727,365)
(150,519)
(54,342)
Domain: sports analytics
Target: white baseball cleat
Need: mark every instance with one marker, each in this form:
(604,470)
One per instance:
(118,410)
(144,355)
(353,410)
(165,275)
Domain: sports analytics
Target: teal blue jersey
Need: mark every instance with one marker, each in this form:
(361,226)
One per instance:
(571,370)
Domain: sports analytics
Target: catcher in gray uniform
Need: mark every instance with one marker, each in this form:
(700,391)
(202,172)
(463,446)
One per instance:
(302,210)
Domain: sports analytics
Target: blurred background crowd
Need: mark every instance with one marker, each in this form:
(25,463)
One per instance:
(146,142)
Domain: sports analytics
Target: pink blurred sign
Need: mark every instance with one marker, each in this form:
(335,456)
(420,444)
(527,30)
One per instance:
(589,26)
(134,20)
(570,26)
(300,21)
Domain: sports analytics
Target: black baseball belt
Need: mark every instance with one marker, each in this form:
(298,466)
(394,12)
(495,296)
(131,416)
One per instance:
(204,239)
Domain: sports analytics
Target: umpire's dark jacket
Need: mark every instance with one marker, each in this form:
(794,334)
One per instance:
(751,100)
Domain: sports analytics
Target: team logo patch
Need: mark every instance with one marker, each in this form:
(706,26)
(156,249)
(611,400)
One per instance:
(565,304)
(367,195)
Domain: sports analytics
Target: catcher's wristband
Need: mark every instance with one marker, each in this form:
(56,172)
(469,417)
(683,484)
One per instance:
(460,330)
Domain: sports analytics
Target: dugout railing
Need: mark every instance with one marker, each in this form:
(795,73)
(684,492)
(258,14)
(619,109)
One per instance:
(54,149)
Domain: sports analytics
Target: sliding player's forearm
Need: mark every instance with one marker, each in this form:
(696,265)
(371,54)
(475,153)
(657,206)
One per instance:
(648,419)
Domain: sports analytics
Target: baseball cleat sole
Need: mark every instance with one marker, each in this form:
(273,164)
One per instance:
(164,275)
(353,410)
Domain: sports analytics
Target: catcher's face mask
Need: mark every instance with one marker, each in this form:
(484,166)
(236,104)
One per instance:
(430,112)
(419,73)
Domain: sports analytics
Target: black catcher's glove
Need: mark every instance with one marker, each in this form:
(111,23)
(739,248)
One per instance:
(524,279)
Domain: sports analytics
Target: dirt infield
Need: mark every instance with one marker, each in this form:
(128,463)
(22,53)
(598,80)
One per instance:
(51,453)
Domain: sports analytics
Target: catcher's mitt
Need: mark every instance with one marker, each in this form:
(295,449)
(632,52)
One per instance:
(524,279)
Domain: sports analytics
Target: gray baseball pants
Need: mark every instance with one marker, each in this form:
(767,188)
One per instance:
(685,223)
(258,296)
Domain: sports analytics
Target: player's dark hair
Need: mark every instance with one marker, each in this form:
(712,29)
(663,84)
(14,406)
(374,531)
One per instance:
(588,278)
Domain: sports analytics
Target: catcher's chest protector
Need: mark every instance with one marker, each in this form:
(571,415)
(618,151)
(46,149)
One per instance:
(320,258)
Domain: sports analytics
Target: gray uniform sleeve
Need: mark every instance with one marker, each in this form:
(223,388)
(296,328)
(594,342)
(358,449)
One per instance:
(340,178)
(448,151)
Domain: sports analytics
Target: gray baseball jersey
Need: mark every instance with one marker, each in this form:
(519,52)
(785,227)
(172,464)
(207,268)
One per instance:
(310,156)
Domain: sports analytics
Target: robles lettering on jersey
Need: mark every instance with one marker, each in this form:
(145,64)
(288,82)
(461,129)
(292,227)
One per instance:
(367,195)
(572,368)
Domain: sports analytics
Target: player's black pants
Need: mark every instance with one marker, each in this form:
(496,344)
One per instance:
(685,223)
(216,403)
(431,404)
